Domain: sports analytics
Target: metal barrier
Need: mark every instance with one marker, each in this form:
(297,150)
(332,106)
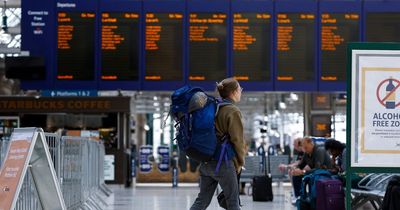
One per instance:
(78,163)
(28,198)
(4,142)
(252,168)
(273,162)
(82,166)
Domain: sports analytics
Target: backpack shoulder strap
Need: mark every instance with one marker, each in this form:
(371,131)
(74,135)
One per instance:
(221,103)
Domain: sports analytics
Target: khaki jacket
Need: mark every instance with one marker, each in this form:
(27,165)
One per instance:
(229,121)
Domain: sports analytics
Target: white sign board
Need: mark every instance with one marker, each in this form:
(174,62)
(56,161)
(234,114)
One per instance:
(109,167)
(375,126)
(29,151)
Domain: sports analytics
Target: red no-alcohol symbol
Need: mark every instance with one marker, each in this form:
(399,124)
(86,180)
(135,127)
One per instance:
(383,99)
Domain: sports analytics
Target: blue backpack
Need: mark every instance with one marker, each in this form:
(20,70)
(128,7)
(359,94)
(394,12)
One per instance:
(309,187)
(195,112)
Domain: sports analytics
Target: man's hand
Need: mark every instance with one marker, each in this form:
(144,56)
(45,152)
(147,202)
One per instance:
(297,172)
(282,167)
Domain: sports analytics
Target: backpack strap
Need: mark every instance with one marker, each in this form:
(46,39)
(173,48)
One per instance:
(223,155)
(220,103)
(304,184)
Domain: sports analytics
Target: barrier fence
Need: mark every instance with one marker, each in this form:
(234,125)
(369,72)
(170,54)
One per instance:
(78,163)
(4,142)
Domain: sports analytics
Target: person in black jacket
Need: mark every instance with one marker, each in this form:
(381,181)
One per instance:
(391,200)
(338,152)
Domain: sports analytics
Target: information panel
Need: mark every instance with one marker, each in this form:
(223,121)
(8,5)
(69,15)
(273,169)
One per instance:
(207,46)
(383,27)
(295,47)
(375,102)
(120,46)
(336,31)
(252,46)
(75,46)
(164,57)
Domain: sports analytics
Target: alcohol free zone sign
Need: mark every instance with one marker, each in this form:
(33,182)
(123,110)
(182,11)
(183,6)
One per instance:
(375,108)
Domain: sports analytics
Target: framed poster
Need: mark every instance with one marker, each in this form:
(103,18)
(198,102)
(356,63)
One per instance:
(375,104)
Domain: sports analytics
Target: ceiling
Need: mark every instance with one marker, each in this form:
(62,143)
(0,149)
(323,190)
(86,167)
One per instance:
(12,3)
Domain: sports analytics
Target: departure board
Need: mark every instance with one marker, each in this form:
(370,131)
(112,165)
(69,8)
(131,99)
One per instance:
(207,46)
(383,27)
(336,31)
(164,57)
(75,50)
(120,46)
(251,46)
(295,47)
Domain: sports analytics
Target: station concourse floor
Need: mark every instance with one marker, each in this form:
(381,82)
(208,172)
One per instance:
(142,197)
(164,197)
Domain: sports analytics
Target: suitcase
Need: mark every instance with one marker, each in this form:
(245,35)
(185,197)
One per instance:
(262,188)
(330,195)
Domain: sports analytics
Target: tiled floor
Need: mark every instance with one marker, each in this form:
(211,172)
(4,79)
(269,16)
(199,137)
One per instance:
(167,198)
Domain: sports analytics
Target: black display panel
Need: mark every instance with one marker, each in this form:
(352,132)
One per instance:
(252,46)
(120,46)
(207,46)
(295,47)
(164,54)
(75,40)
(25,68)
(383,27)
(336,31)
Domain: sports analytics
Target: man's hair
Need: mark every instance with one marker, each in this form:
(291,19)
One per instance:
(332,144)
(308,140)
(298,142)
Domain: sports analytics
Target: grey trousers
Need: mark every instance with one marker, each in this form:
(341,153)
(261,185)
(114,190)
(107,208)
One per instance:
(227,179)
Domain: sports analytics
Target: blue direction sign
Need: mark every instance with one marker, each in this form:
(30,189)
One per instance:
(145,165)
(66,93)
(163,151)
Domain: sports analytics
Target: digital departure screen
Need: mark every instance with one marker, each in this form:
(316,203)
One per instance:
(251,46)
(336,31)
(295,47)
(164,55)
(383,27)
(120,46)
(207,46)
(75,50)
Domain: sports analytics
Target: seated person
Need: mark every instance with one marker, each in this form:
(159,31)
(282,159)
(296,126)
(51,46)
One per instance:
(338,152)
(314,158)
(296,180)
(300,153)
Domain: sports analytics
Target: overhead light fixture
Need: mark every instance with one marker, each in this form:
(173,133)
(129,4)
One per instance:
(294,96)
(282,105)
(5,38)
